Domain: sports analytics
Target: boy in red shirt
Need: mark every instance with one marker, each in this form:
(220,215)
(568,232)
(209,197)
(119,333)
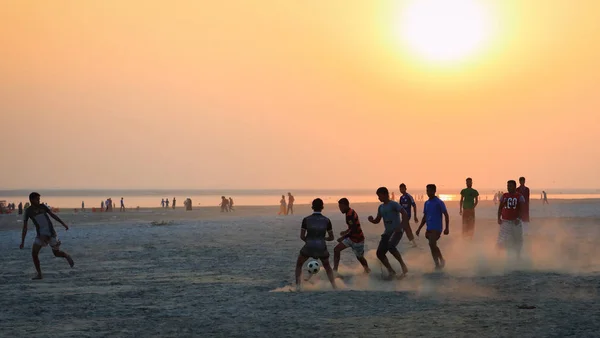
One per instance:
(510,212)
(353,237)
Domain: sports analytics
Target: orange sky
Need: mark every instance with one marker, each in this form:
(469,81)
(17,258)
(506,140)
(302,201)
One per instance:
(291,94)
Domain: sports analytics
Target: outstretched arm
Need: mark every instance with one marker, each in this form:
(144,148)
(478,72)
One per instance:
(53,215)
(462,198)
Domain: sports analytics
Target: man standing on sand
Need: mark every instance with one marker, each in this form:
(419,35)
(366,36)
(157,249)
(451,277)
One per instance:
(390,211)
(408,202)
(469,198)
(174,200)
(524,191)
(230,204)
(122,208)
(509,219)
(45,233)
(290,206)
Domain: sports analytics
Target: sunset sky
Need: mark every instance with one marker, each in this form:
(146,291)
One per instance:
(294,94)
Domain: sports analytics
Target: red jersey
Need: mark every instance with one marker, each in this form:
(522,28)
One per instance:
(523,190)
(356,235)
(511,205)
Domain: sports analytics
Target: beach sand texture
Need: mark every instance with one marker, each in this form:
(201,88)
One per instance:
(207,274)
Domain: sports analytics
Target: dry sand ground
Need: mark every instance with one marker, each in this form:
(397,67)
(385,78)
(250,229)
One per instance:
(213,275)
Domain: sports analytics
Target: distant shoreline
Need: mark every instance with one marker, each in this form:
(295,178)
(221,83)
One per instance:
(257,192)
(328,203)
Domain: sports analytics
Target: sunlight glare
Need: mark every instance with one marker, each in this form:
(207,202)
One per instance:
(444,30)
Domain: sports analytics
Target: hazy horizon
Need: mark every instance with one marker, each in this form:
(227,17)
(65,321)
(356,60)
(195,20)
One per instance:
(326,95)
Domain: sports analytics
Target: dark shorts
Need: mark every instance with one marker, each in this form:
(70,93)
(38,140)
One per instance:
(389,241)
(433,235)
(314,252)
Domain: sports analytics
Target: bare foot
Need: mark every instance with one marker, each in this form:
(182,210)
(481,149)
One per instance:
(37,277)
(70,260)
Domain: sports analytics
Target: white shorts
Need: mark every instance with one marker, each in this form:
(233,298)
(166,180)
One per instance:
(511,234)
(525,226)
(44,241)
(358,248)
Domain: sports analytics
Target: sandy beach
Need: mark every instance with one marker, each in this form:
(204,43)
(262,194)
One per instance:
(206,274)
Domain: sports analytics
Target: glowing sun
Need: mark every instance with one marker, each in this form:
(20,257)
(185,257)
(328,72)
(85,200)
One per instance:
(444,30)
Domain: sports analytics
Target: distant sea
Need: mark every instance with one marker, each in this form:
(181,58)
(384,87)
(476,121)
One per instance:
(65,198)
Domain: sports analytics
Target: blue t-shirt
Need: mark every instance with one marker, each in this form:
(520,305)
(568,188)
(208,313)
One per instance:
(391,216)
(433,211)
(407,201)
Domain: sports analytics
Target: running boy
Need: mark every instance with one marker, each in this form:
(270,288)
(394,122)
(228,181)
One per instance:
(432,215)
(353,237)
(390,212)
(45,233)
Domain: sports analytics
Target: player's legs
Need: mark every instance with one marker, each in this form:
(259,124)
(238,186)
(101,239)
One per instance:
(364,263)
(299,264)
(359,251)
(408,230)
(517,239)
(329,271)
(35,250)
(336,255)
(504,235)
(432,236)
(382,249)
(468,223)
(394,240)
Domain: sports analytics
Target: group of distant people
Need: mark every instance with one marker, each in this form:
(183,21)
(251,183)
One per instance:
(316,229)
(10,207)
(286,208)
(108,205)
(226,204)
(164,203)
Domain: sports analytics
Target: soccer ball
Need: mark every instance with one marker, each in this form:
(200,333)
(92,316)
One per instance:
(313,267)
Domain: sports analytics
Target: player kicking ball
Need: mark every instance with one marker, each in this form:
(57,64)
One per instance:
(353,237)
(314,229)
(45,233)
